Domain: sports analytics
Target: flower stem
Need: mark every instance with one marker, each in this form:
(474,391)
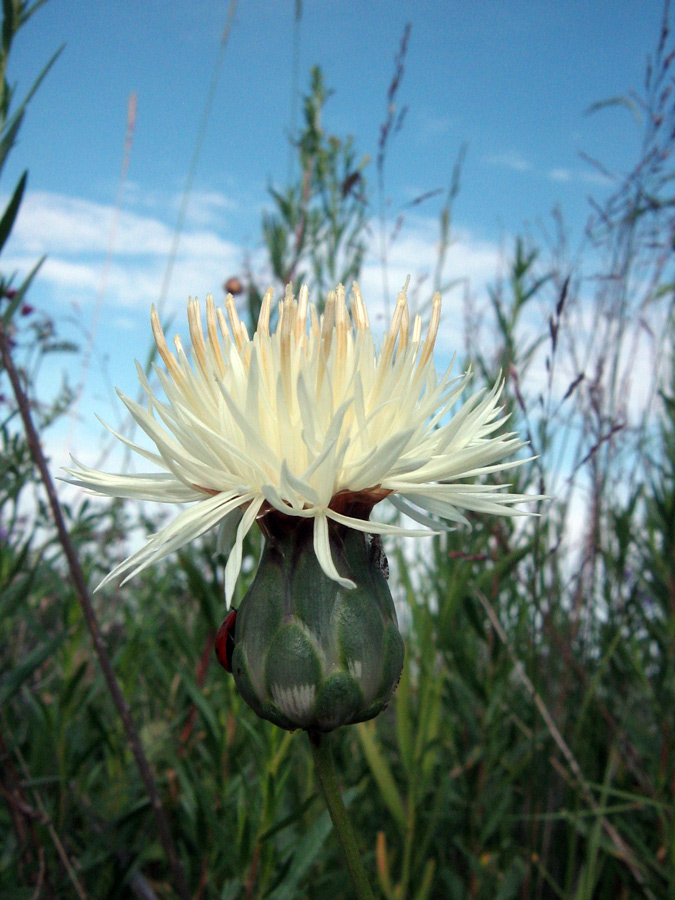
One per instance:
(323,760)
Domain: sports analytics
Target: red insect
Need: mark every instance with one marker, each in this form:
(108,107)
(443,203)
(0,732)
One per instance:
(225,641)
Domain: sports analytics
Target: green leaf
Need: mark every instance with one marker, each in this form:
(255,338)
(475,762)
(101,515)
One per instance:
(307,851)
(427,880)
(232,889)
(24,669)
(8,24)
(21,292)
(7,221)
(403,724)
(11,127)
(9,134)
(207,712)
(381,772)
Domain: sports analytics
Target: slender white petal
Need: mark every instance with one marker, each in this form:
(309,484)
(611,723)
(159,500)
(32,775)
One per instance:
(370,527)
(227,529)
(309,421)
(234,560)
(152,486)
(301,487)
(403,505)
(187,525)
(377,467)
(323,554)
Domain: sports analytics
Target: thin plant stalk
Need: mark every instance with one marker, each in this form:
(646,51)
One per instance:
(325,768)
(201,134)
(624,852)
(82,593)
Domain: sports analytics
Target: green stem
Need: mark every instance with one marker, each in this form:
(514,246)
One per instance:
(323,760)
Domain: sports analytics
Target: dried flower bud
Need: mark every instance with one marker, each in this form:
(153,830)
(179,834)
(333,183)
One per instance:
(233,286)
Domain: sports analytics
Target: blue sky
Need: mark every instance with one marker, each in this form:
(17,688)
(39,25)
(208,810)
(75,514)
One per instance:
(510,79)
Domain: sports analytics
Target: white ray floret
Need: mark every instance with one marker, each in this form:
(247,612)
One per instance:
(307,420)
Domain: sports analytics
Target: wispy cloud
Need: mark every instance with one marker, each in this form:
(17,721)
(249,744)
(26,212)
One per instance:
(72,225)
(563,175)
(511,160)
(75,234)
(432,126)
(470,262)
(577,176)
(559,174)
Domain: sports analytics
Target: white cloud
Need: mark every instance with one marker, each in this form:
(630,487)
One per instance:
(432,126)
(560,175)
(123,323)
(77,235)
(471,262)
(511,160)
(209,207)
(584,176)
(59,224)
(74,233)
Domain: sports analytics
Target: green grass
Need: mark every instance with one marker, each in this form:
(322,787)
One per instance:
(529,751)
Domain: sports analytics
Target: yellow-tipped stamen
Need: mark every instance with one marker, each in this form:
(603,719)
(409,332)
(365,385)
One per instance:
(434,322)
(224,333)
(301,317)
(212,329)
(403,332)
(180,353)
(197,335)
(265,312)
(417,331)
(167,356)
(342,324)
(386,356)
(353,425)
(359,311)
(235,324)
(285,327)
(328,323)
(390,343)
(314,324)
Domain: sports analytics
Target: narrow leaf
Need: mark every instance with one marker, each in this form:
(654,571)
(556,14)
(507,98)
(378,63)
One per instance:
(7,221)
(381,773)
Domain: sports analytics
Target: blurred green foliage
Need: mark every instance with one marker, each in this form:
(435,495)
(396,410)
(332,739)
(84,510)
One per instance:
(315,233)
(531,760)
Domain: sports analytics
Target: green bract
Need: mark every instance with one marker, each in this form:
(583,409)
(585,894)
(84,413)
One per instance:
(308,652)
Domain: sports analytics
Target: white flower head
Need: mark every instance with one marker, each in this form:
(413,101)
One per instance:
(313,419)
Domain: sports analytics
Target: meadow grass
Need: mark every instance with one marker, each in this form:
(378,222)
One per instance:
(529,751)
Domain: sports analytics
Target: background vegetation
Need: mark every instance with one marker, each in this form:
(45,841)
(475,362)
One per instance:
(529,751)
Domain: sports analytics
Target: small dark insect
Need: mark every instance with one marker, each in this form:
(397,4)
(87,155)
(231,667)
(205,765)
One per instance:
(225,641)
(350,181)
(378,555)
(233,286)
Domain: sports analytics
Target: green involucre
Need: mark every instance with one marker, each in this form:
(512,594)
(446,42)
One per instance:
(309,653)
